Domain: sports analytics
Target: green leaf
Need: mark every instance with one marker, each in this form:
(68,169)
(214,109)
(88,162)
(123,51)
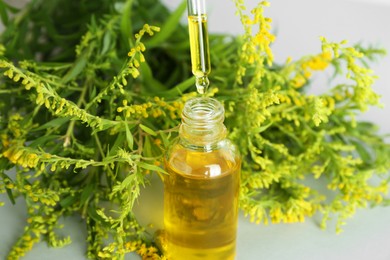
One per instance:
(262,128)
(118,143)
(43,140)
(3,13)
(129,181)
(151,167)
(105,124)
(53,123)
(150,82)
(364,154)
(367,127)
(129,137)
(10,196)
(68,201)
(126,26)
(93,214)
(87,193)
(106,42)
(77,68)
(168,28)
(9,191)
(164,139)
(147,149)
(179,89)
(147,130)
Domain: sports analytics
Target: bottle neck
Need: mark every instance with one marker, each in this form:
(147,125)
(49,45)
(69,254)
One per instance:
(202,122)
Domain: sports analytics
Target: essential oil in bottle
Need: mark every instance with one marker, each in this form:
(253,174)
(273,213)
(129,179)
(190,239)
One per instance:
(202,187)
(199,44)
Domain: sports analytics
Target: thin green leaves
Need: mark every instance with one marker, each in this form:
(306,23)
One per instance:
(68,201)
(126,25)
(41,141)
(129,137)
(8,186)
(3,12)
(147,130)
(169,27)
(87,193)
(106,42)
(179,89)
(152,167)
(56,122)
(77,68)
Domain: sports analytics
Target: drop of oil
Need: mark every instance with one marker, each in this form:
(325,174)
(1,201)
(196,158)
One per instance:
(202,84)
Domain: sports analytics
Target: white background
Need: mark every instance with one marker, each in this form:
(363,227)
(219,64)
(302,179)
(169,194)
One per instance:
(298,24)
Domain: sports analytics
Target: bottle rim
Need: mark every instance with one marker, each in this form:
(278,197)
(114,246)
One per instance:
(203,112)
(202,122)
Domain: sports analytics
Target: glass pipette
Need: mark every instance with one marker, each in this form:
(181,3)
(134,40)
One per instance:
(199,43)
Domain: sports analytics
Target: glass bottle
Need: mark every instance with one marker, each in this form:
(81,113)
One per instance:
(202,187)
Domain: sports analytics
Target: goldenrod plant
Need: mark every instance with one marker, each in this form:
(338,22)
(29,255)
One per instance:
(91,94)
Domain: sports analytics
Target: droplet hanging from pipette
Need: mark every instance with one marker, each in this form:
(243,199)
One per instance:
(199,44)
(202,83)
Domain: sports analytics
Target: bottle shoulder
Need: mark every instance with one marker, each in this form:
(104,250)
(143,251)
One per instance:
(208,162)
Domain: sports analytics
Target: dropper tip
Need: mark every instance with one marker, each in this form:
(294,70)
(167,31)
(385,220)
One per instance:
(202,84)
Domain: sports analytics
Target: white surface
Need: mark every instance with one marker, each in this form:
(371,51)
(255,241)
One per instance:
(299,23)
(381,2)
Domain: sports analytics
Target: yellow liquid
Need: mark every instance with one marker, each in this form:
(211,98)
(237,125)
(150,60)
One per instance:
(200,53)
(201,205)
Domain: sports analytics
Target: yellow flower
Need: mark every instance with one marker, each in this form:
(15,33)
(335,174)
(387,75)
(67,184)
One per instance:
(4,140)
(157,142)
(299,81)
(318,62)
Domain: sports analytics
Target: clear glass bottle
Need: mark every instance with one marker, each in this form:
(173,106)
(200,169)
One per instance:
(202,188)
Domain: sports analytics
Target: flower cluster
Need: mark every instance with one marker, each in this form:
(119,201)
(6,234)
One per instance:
(22,157)
(360,92)
(134,111)
(281,192)
(139,48)
(256,46)
(41,222)
(309,65)
(48,97)
(147,252)
(155,108)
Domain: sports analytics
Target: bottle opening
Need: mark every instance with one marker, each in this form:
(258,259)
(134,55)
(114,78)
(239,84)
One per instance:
(202,121)
(203,111)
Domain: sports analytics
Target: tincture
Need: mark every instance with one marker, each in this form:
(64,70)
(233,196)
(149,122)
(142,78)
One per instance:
(202,187)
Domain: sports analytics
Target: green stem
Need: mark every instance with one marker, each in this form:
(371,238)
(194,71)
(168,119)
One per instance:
(69,131)
(99,145)
(117,79)
(9,91)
